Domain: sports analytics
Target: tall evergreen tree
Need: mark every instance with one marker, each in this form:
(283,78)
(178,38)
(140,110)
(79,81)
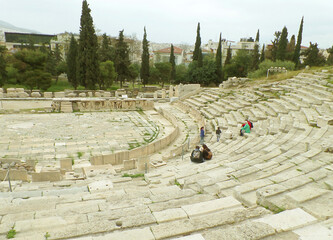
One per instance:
(88,65)
(144,71)
(262,55)
(173,64)
(218,61)
(105,51)
(297,51)
(257,36)
(122,61)
(228,57)
(72,63)
(291,48)
(197,54)
(255,57)
(3,72)
(282,46)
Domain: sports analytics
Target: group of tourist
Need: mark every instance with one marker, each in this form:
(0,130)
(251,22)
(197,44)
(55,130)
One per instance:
(200,155)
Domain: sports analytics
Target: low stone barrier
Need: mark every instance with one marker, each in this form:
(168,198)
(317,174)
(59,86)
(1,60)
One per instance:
(103,104)
(140,152)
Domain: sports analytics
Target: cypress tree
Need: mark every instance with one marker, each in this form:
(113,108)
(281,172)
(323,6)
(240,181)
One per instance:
(282,46)
(122,61)
(197,54)
(105,51)
(218,61)
(72,63)
(262,55)
(257,36)
(3,72)
(144,71)
(88,65)
(255,56)
(173,64)
(297,51)
(228,57)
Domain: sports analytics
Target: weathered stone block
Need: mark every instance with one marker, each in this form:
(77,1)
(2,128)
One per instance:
(59,94)
(48,94)
(46,176)
(129,164)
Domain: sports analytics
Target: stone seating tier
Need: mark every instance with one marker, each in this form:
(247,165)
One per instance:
(274,183)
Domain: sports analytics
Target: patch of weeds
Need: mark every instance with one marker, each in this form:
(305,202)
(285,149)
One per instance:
(11,233)
(312,179)
(200,192)
(177,183)
(277,209)
(133,175)
(300,170)
(47,235)
(236,178)
(79,154)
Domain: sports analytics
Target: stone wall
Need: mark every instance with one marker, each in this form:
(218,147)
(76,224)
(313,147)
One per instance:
(104,104)
(140,152)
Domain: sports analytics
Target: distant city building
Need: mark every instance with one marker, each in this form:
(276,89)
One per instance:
(163,55)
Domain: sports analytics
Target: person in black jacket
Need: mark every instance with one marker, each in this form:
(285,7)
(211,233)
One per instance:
(196,155)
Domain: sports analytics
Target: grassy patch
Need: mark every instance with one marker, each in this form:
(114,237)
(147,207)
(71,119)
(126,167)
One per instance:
(11,233)
(138,175)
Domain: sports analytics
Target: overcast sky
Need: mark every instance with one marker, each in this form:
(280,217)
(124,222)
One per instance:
(175,21)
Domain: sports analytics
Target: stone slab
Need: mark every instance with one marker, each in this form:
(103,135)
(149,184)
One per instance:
(102,185)
(315,231)
(191,237)
(288,220)
(170,215)
(211,206)
(305,194)
(137,234)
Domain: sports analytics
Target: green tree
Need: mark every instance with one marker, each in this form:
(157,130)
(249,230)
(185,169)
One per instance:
(313,57)
(88,65)
(181,74)
(218,61)
(297,51)
(330,56)
(290,48)
(122,61)
(155,75)
(107,74)
(255,56)
(239,65)
(197,54)
(134,72)
(31,69)
(205,75)
(105,52)
(228,57)
(271,52)
(3,71)
(144,71)
(165,69)
(257,36)
(173,64)
(72,63)
(262,55)
(282,45)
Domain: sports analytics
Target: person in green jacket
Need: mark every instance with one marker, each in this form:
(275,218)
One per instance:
(245,129)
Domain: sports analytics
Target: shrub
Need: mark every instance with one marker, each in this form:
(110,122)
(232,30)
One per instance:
(262,71)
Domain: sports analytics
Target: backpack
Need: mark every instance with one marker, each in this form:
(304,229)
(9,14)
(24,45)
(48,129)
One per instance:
(251,124)
(196,154)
